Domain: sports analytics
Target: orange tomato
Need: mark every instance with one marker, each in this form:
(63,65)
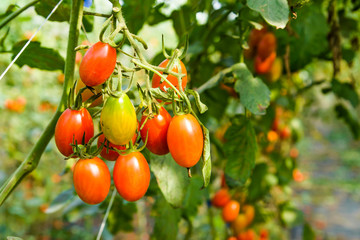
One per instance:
(272,136)
(263,66)
(239,224)
(85,95)
(231,211)
(221,198)
(249,212)
(267,46)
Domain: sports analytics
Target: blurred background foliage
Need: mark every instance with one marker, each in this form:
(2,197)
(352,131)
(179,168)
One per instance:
(320,108)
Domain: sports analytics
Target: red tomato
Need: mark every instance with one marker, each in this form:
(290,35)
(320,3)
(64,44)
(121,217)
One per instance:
(264,233)
(232,238)
(185,140)
(231,211)
(131,176)
(92,180)
(264,66)
(221,198)
(267,45)
(72,126)
(110,154)
(156,129)
(285,133)
(177,67)
(98,64)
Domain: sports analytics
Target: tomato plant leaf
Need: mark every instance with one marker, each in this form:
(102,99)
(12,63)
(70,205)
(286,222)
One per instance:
(174,187)
(345,91)
(201,106)
(290,216)
(62,13)
(166,220)
(350,119)
(275,12)
(258,187)
(193,197)
(254,94)
(206,166)
(38,57)
(60,201)
(308,233)
(240,150)
(138,11)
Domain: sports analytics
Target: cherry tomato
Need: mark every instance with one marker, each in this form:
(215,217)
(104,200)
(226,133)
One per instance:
(118,120)
(249,212)
(264,66)
(221,198)
(131,176)
(85,95)
(231,211)
(231,238)
(110,154)
(97,64)
(156,130)
(285,132)
(72,126)
(254,39)
(239,224)
(264,233)
(177,67)
(92,180)
(185,140)
(267,45)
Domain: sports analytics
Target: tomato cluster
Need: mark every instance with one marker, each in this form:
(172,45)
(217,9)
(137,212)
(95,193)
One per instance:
(237,215)
(262,48)
(161,133)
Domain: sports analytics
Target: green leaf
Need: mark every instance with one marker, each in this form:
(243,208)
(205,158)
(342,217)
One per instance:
(311,29)
(350,119)
(11,8)
(62,13)
(136,13)
(166,220)
(194,197)
(206,166)
(38,57)
(254,94)
(345,91)
(308,233)
(120,215)
(201,106)
(240,150)
(258,187)
(172,178)
(183,20)
(163,96)
(60,201)
(275,12)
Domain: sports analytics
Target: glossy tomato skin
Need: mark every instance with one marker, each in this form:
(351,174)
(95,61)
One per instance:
(91,180)
(85,95)
(131,176)
(156,128)
(177,67)
(98,64)
(231,211)
(72,126)
(221,198)
(185,140)
(118,120)
(110,154)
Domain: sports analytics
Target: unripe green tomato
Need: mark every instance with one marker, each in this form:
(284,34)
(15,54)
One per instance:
(118,119)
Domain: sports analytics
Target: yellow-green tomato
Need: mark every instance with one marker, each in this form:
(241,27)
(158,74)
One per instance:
(118,119)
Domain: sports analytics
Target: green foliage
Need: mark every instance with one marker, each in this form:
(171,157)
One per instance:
(308,233)
(254,94)
(346,114)
(166,220)
(240,150)
(38,57)
(139,10)
(174,188)
(345,91)
(275,12)
(62,14)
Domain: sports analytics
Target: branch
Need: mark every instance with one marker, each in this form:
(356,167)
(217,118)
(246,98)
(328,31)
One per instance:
(16,13)
(96,14)
(33,158)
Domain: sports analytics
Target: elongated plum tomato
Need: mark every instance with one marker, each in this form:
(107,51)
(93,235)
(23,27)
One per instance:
(98,64)
(72,126)
(91,180)
(110,154)
(85,95)
(231,211)
(264,66)
(221,198)
(185,140)
(266,46)
(118,119)
(156,128)
(177,67)
(131,176)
